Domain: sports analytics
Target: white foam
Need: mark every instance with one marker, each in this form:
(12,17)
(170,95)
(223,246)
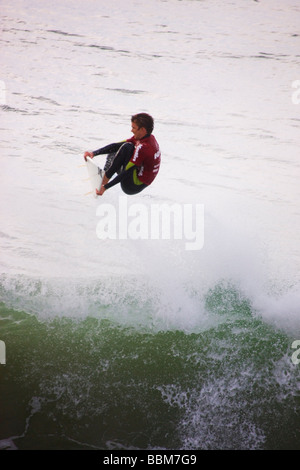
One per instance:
(227,142)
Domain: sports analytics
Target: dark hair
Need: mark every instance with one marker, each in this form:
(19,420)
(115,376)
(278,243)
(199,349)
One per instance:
(144,120)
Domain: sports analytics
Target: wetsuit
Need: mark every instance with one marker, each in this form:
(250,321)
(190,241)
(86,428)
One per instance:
(137,163)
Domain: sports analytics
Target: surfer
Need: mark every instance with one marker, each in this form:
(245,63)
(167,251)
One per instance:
(135,160)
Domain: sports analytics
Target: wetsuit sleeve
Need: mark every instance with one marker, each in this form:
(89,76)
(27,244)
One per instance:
(111,148)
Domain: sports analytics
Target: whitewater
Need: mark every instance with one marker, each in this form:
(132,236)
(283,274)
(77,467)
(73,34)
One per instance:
(129,342)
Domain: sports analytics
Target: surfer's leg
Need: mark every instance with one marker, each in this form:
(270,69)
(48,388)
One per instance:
(109,161)
(128,182)
(120,160)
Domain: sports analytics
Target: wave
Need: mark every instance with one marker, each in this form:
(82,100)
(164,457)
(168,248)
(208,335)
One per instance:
(121,376)
(149,302)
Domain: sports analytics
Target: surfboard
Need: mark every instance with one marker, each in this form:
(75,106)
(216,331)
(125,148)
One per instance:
(95,175)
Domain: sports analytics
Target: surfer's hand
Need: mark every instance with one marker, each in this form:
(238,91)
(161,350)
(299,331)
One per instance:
(88,154)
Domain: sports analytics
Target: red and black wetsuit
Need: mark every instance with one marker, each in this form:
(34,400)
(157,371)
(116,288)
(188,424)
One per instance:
(136,161)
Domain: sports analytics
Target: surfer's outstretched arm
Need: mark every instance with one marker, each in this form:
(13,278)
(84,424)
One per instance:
(110,148)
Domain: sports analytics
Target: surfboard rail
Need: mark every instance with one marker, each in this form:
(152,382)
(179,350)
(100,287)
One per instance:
(96,175)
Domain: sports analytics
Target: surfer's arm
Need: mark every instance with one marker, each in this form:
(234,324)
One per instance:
(111,148)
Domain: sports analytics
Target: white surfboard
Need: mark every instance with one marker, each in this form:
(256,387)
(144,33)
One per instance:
(95,175)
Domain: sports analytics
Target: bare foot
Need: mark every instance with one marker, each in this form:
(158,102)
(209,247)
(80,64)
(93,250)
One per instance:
(102,189)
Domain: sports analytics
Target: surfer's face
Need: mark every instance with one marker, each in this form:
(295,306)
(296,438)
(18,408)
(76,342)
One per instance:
(138,132)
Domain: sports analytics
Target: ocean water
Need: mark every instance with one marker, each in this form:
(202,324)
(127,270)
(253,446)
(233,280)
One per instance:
(123,343)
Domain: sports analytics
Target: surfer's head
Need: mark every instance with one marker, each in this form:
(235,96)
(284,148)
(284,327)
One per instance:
(143,120)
